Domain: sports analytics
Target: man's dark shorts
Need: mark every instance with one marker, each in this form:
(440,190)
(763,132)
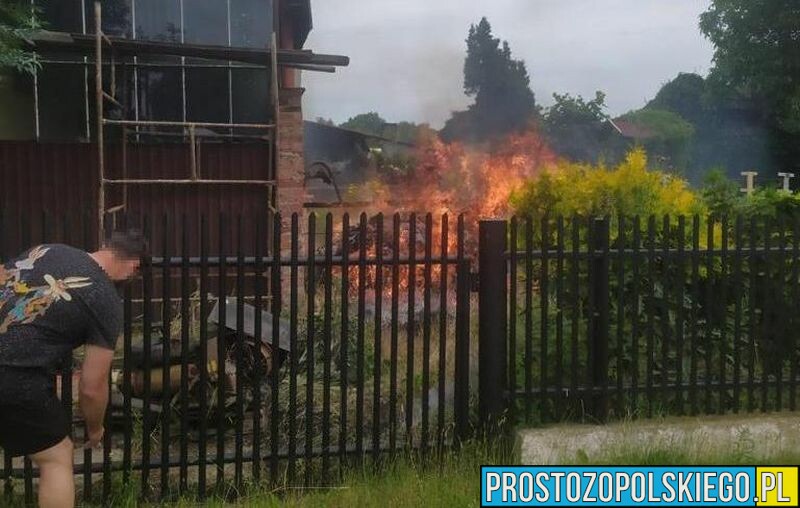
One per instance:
(32,418)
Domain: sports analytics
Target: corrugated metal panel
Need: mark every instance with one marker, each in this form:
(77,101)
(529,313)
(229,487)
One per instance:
(61,181)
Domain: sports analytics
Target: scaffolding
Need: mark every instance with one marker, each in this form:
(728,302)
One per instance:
(186,130)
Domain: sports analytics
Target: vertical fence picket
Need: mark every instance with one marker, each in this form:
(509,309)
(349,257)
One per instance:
(544,308)
(680,307)
(795,295)
(411,328)
(238,357)
(127,410)
(202,450)
(528,356)
(737,318)
(219,367)
(513,313)
(665,306)
(559,400)
(575,268)
(723,314)
(361,335)
(377,353)
(327,330)
(621,258)
(258,374)
(765,293)
(752,329)
(294,348)
(147,346)
(443,297)
(344,339)
(276,288)
(462,346)
(393,354)
(166,343)
(709,315)
(635,350)
(651,287)
(695,315)
(426,333)
(780,331)
(311,331)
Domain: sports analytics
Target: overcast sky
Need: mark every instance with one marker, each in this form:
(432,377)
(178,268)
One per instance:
(407,55)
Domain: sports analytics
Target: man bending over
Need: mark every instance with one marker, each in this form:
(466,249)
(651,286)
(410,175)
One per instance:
(53,299)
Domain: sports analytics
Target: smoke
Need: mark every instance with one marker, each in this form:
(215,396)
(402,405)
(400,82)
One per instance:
(407,56)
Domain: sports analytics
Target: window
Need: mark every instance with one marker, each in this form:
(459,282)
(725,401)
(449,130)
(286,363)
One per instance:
(251,23)
(207,95)
(159,20)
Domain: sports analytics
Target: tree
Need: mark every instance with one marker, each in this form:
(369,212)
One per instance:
(684,95)
(758,54)
(367,123)
(18,21)
(373,124)
(669,135)
(577,128)
(500,86)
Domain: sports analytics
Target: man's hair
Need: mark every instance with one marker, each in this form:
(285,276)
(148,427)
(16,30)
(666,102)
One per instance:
(129,243)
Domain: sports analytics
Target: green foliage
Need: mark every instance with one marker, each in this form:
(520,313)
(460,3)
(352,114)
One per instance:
(758,48)
(18,20)
(723,198)
(500,86)
(577,128)
(720,193)
(373,124)
(684,95)
(671,135)
(758,54)
(630,188)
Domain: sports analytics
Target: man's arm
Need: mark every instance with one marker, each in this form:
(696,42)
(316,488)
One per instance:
(94,390)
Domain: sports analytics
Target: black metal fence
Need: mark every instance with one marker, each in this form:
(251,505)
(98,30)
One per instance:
(288,355)
(331,346)
(629,317)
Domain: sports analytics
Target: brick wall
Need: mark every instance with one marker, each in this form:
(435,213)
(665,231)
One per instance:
(291,162)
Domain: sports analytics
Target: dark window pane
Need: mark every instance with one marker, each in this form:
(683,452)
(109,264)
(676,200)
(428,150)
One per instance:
(62,114)
(160,96)
(251,23)
(158,20)
(206,22)
(16,103)
(116,15)
(251,102)
(207,95)
(61,15)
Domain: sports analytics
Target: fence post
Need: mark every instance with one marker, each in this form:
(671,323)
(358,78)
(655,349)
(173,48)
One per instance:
(493,322)
(600,321)
(462,371)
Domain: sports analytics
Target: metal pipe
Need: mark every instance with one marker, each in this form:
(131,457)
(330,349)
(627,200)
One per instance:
(101,197)
(189,182)
(154,123)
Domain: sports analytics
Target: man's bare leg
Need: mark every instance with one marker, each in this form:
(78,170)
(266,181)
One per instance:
(56,483)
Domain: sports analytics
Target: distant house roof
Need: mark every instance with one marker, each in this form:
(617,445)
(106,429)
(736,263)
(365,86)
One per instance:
(631,130)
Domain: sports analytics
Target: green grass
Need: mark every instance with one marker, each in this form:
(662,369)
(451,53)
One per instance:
(453,480)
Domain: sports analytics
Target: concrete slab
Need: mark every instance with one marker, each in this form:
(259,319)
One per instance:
(695,438)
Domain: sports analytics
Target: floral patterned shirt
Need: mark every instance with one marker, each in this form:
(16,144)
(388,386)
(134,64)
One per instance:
(53,299)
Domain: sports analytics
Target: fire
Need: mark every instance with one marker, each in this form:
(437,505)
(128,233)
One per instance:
(452,179)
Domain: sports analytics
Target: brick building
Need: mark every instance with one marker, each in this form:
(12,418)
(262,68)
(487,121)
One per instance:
(198,113)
